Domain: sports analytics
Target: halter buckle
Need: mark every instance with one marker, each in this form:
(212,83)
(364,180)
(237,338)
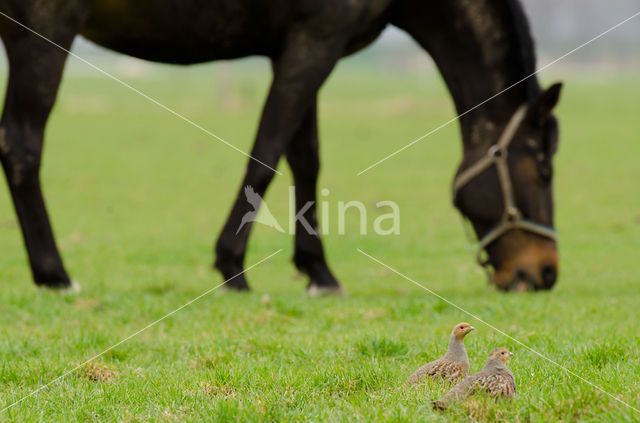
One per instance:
(512,215)
(496,151)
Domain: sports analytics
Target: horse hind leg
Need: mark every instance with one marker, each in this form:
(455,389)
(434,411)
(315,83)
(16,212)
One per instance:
(298,74)
(35,70)
(304,160)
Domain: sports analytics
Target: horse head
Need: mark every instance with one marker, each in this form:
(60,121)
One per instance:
(504,188)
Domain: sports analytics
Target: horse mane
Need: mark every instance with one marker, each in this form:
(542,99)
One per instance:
(494,37)
(525,56)
(501,32)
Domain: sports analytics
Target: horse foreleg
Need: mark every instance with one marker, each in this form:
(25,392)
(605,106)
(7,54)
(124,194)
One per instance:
(299,71)
(304,160)
(35,69)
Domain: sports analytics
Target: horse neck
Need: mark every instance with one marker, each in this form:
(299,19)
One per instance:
(481,47)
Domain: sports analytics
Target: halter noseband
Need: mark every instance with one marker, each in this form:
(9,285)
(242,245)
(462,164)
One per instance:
(512,216)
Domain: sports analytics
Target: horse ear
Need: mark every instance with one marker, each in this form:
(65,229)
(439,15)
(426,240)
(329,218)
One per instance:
(545,103)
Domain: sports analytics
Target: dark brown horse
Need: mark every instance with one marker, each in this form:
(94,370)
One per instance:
(480,46)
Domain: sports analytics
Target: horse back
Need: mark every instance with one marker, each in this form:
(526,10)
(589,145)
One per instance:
(192,31)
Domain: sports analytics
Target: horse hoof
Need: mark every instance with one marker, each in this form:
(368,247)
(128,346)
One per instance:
(227,287)
(314,290)
(73,288)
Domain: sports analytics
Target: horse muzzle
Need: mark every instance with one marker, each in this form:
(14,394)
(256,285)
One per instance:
(535,268)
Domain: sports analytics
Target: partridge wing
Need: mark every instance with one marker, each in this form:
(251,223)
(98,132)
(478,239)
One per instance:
(451,371)
(498,385)
(424,371)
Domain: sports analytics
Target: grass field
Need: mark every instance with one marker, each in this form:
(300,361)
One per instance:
(137,198)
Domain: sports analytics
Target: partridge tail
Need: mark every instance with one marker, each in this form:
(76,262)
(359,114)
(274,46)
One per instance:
(457,393)
(418,375)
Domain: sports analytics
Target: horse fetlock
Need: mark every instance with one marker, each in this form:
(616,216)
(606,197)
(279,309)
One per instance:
(315,290)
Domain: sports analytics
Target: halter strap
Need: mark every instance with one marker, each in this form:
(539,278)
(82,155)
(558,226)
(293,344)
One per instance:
(496,149)
(511,217)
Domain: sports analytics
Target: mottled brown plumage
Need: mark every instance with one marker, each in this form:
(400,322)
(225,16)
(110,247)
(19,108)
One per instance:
(454,365)
(494,378)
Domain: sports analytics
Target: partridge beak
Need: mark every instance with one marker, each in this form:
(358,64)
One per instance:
(471,328)
(510,354)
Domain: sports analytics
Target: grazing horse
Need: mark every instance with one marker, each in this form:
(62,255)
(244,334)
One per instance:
(481,47)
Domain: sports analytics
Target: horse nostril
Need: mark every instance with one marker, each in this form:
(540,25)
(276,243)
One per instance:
(522,282)
(549,275)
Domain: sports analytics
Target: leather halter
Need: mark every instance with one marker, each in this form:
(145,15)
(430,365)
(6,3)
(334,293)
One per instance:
(511,216)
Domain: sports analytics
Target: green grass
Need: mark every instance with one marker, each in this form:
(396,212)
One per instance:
(137,198)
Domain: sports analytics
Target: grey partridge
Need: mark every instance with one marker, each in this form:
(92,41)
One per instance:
(494,378)
(454,365)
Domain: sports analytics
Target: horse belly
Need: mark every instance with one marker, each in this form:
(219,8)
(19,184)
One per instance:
(187,31)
